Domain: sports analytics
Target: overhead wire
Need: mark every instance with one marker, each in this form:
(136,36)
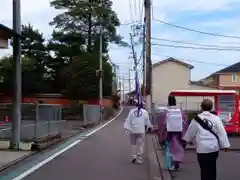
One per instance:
(130,23)
(194,43)
(192,61)
(195,48)
(194,30)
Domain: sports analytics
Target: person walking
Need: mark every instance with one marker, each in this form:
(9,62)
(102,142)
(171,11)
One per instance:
(172,125)
(136,125)
(209,133)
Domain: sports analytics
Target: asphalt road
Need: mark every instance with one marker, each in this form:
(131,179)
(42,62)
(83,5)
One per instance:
(104,155)
(228,167)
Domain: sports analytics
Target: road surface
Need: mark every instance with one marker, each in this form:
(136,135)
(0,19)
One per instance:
(228,167)
(105,155)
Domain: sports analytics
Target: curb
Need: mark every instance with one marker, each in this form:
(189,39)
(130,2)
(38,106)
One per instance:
(5,166)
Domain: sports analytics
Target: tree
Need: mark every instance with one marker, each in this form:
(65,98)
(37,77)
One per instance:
(33,45)
(34,69)
(78,24)
(30,82)
(80,80)
(35,50)
(83,18)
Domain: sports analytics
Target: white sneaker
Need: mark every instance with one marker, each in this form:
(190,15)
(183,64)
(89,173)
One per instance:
(139,161)
(174,168)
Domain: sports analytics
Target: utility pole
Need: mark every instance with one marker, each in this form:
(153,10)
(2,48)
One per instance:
(16,111)
(129,80)
(101,64)
(135,62)
(147,5)
(114,81)
(123,83)
(144,58)
(120,87)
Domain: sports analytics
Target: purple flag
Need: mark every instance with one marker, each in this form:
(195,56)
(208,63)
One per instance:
(138,95)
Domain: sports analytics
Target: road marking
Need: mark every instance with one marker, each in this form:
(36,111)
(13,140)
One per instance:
(37,166)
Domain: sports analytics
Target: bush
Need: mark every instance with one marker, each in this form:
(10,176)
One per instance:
(74,112)
(107,113)
(116,101)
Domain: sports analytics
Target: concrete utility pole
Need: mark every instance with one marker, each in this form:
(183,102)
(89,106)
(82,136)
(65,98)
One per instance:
(101,64)
(129,80)
(123,88)
(114,81)
(120,87)
(16,111)
(144,58)
(135,61)
(147,5)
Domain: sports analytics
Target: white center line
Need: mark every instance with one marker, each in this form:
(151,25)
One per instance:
(37,166)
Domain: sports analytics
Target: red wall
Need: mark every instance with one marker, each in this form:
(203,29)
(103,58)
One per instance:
(46,100)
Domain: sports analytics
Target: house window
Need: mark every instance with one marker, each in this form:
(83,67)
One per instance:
(234,77)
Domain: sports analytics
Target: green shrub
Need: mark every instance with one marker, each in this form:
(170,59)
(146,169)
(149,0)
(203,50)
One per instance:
(107,113)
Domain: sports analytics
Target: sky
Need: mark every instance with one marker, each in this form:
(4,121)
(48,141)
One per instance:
(215,16)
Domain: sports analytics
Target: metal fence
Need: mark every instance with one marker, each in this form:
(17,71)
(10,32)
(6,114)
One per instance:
(41,120)
(37,121)
(91,113)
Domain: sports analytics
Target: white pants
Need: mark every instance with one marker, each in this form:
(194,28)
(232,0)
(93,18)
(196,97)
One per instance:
(137,145)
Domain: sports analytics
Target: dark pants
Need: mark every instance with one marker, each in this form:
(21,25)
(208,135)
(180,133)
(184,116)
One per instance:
(208,165)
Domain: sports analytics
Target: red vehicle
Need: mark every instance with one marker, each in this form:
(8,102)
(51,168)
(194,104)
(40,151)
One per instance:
(226,105)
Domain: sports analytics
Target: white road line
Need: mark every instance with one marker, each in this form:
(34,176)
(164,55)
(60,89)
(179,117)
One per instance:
(37,166)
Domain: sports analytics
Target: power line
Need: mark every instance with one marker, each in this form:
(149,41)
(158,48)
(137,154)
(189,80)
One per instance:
(196,48)
(193,43)
(129,23)
(193,61)
(197,31)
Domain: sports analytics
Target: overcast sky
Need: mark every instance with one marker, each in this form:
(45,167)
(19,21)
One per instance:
(216,16)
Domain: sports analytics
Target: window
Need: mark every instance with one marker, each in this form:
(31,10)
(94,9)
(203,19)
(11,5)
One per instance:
(234,77)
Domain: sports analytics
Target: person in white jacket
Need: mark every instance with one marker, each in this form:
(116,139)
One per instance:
(136,125)
(210,135)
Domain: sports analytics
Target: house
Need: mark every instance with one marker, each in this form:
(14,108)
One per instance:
(227,78)
(5,34)
(172,74)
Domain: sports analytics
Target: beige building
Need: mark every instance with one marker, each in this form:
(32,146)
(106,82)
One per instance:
(172,74)
(227,78)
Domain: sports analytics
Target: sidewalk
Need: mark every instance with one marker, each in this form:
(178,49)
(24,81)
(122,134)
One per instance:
(7,157)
